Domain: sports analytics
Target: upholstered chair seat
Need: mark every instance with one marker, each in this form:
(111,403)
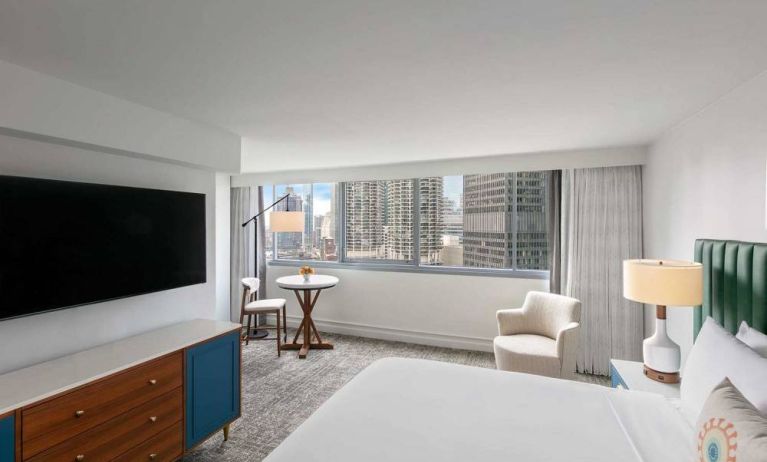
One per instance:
(267,304)
(539,338)
(533,354)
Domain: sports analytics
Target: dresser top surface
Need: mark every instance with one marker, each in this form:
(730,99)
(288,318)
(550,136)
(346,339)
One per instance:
(34,383)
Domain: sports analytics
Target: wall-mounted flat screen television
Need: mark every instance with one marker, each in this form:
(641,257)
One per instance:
(64,244)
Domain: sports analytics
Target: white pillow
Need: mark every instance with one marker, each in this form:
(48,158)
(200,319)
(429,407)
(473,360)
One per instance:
(753,338)
(715,355)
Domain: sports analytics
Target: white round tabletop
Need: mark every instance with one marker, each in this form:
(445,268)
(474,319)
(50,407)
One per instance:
(316,281)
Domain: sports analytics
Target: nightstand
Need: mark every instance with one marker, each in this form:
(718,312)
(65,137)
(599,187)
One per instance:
(629,375)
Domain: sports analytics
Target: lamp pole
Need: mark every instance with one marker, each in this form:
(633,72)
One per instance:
(260,333)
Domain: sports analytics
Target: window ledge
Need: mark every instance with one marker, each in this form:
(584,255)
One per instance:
(405,268)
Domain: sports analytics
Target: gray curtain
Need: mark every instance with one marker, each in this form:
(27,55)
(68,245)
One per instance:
(602,226)
(554,224)
(241,245)
(261,270)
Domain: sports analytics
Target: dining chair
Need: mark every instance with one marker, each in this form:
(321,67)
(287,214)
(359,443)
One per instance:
(252,307)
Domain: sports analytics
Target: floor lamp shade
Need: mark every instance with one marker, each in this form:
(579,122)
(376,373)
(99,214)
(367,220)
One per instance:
(662,283)
(286,222)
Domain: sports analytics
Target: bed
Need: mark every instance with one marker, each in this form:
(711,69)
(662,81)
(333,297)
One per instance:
(418,410)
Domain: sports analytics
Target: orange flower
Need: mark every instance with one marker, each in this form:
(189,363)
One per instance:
(306,270)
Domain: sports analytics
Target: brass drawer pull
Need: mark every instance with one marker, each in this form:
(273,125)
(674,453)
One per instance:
(79,414)
(152,456)
(80,457)
(152,381)
(153,418)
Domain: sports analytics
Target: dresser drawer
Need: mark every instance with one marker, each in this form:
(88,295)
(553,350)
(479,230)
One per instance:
(165,447)
(59,419)
(119,435)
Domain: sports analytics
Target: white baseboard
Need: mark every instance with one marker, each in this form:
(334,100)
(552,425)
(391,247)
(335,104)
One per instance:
(399,335)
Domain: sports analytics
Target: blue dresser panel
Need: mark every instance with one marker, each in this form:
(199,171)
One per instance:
(7,441)
(212,386)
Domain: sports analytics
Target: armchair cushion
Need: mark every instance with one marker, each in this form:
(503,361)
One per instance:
(533,354)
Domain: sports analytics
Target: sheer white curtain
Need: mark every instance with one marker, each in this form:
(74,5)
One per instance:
(602,226)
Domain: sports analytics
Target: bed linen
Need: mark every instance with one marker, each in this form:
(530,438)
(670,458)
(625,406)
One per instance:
(419,410)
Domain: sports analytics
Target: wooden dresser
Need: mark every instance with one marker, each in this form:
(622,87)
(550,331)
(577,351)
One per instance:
(145,398)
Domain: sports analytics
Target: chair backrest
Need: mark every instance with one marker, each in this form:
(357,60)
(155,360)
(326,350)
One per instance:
(251,285)
(549,313)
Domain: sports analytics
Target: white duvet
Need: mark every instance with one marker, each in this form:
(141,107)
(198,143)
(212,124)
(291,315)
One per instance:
(417,410)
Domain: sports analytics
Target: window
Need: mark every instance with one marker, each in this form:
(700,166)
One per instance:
(465,222)
(318,241)
(378,220)
(495,220)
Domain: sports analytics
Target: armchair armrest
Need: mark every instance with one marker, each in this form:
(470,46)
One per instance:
(567,347)
(511,321)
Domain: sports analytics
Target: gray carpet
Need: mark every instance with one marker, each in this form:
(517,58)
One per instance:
(280,393)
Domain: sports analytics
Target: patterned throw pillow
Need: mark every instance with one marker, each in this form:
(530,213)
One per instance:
(730,428)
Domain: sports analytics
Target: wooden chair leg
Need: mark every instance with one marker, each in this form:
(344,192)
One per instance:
(247,332)
(278,335)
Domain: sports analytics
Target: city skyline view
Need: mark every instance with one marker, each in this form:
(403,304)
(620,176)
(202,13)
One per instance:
(483,221)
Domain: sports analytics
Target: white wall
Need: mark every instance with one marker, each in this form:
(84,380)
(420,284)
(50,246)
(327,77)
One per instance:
(580,158)
(435,309)
(223,244)
(32,339)
(38,104)
(705,178)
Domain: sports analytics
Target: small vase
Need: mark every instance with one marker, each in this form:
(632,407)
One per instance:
(306,277)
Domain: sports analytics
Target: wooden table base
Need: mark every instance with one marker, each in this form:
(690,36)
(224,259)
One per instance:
(307,326)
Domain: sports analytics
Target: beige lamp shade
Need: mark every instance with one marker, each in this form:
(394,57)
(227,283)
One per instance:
(663,282)
(286,222)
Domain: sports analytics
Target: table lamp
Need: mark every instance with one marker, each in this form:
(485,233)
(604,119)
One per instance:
(662,283)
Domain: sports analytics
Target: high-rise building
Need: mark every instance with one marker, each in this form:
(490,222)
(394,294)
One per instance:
(532,205)
(329,228)
(496,206)
(308,220)
(398,227)
(399,219)
(379,219)
(364,219)
(432,220)
(319,221)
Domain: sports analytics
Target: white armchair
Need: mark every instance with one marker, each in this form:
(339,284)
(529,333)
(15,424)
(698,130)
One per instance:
(539,338)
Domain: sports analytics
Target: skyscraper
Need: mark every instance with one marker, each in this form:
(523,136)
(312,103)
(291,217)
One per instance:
(431,203)
(398,228)
(399,219)
(498,206)
(364,219)
(379,219)
(532,203)
(308,220)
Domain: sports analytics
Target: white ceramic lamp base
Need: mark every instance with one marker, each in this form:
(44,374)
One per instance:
(662,357)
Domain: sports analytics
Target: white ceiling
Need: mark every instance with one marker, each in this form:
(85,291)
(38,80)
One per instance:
(351,82)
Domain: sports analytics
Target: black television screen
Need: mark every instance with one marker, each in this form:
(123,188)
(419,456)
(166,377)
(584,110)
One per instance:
(64,244)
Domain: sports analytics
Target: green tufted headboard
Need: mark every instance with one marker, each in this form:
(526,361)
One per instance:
(734,284)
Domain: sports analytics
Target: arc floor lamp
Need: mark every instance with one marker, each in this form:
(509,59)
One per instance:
(280,221)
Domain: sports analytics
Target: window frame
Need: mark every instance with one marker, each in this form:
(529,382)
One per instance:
(413,266)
